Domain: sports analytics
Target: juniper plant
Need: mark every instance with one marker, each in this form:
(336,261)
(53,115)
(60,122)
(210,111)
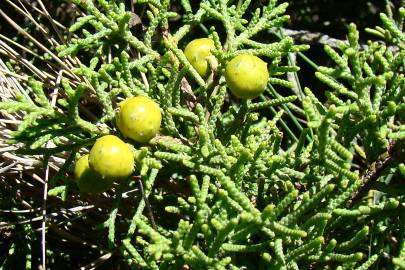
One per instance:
(269,183)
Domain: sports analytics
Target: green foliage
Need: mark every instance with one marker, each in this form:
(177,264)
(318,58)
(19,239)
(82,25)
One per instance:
(257,189)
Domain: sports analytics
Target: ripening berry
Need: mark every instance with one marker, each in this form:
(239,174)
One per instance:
(139,118)
(246,76)
(111,158)
(87,179)
(197,52)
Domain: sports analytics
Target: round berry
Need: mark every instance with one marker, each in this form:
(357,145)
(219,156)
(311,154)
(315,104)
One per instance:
(196,53)
(246,76)
(111,158)
(87,179)
(139,118)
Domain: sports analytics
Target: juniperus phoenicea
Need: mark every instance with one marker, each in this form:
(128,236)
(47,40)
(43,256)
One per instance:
(297,178)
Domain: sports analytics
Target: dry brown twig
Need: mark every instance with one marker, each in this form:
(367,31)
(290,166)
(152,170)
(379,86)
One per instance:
(395,153)
(14,167)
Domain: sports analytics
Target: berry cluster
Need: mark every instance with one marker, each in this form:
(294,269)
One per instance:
(111,158)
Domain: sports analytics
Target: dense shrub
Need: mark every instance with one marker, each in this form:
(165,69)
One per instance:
(293,178)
